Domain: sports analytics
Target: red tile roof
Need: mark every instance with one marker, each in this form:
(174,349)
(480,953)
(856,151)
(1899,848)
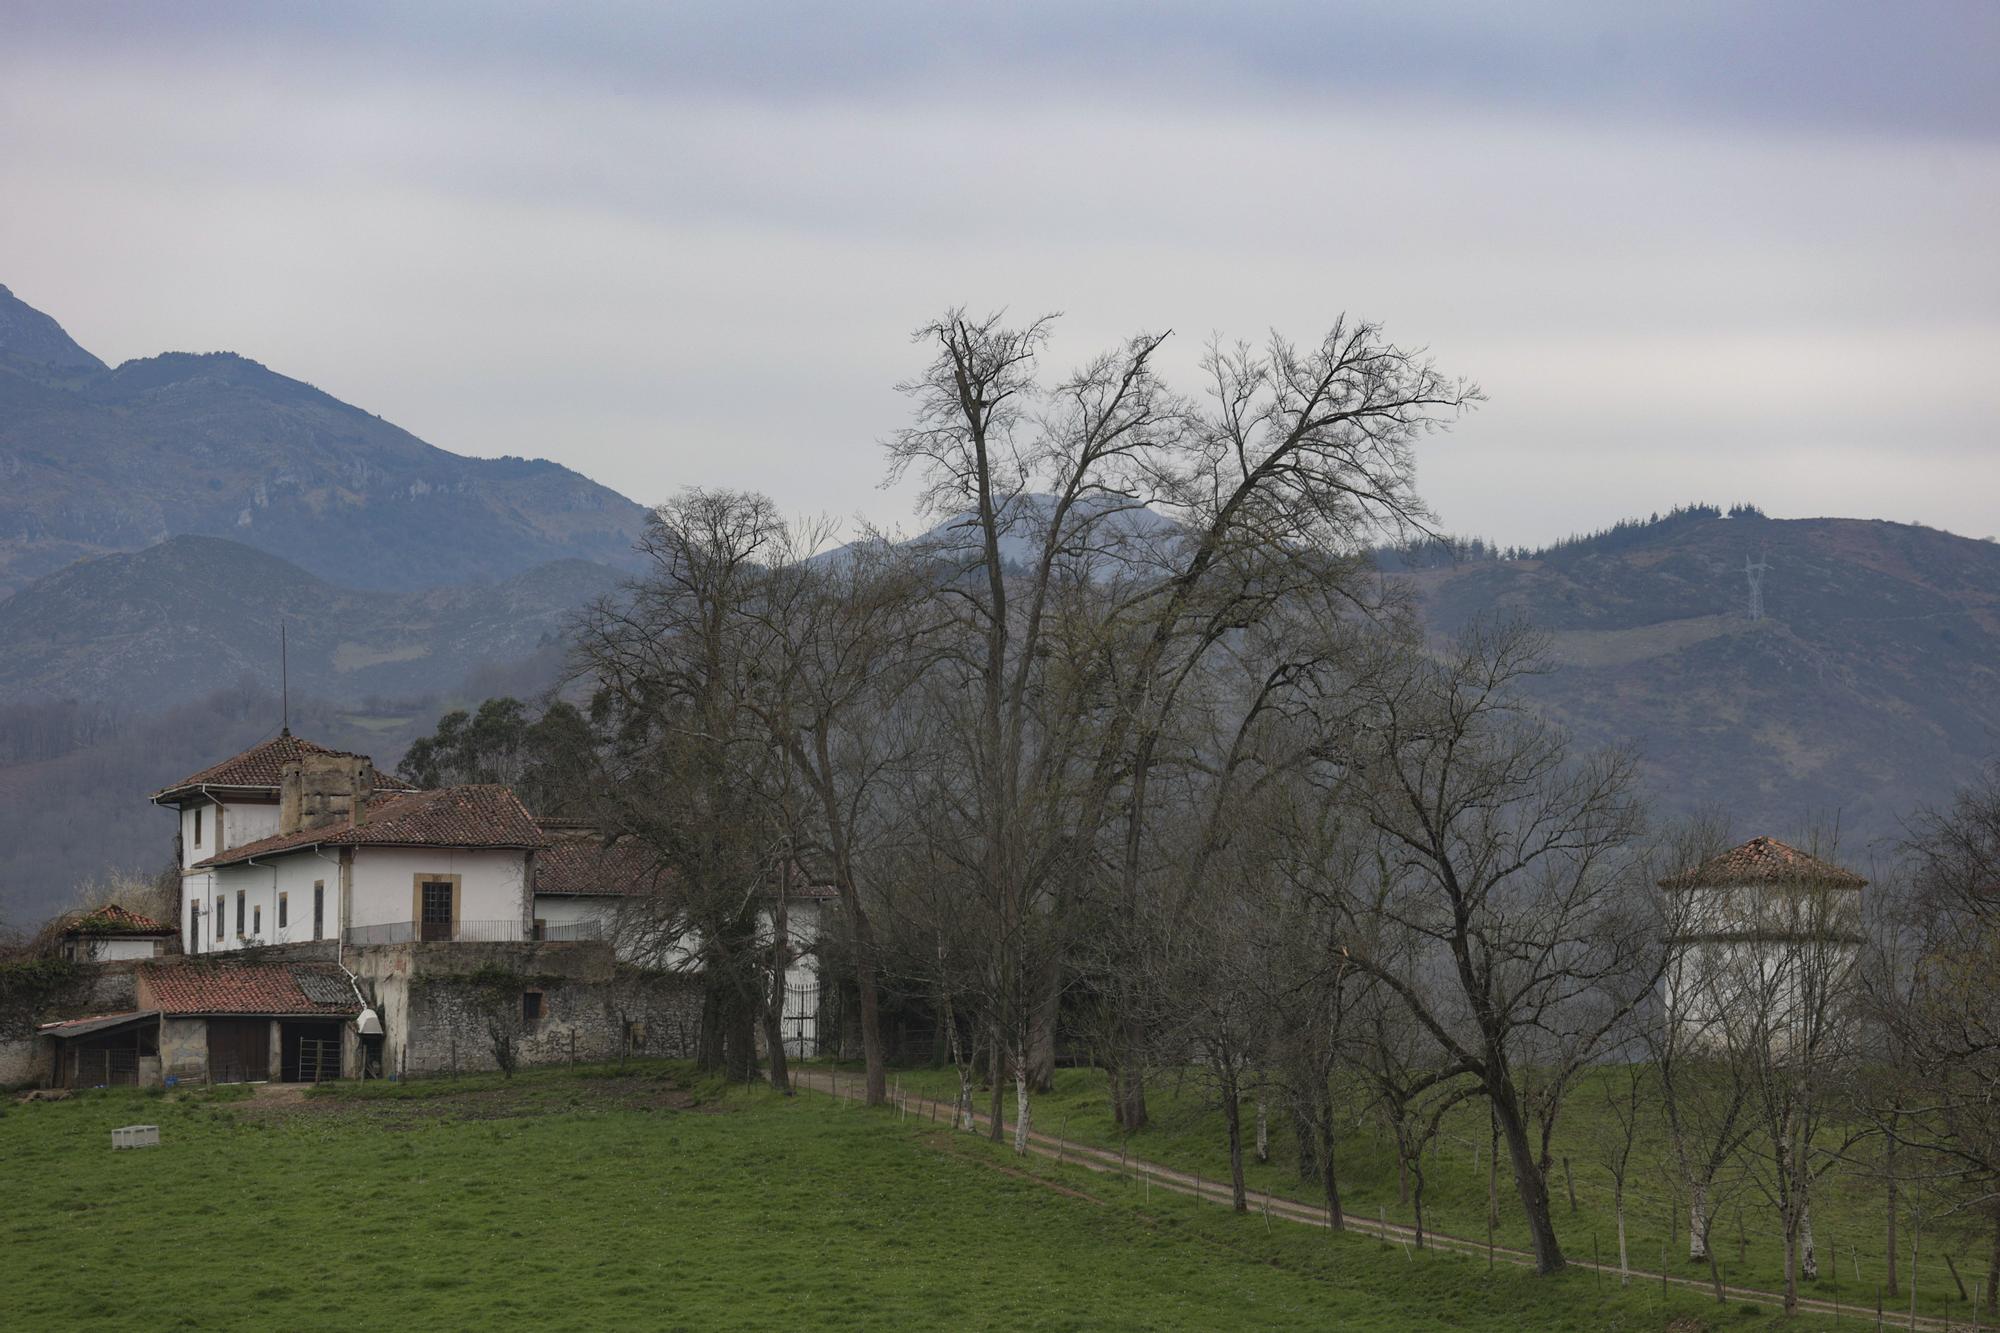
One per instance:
(111,919)
(259,766)
(478,816)
(568,866)
(275,989)
(1764,861)
(262,768)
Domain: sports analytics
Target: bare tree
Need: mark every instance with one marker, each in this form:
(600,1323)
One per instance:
(1300,455)
(1507,862)
(677,661)
(1930,988)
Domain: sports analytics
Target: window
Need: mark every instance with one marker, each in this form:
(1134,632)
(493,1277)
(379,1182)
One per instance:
(220,916)
(531,1008)
(319,908)
(239,914)
(284,911)
(194,925)
(257,920)
(197,825)
(437,913)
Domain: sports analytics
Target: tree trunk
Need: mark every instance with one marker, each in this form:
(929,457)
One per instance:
(1232,1114)
(772,1012)
(1533,1187)
(871,1008)
(998,1072)
(1889,1169)
(1128,1091)
(1417,1199)
(774,1041)
(1624,1256)
(1263,1134)
(1402,1162)
(1492,1171)
(1132,1111)
(1791,1239)
(1698,1220)
(1020,1106)
(740,1041)
(709,1049)
(1808,1256)
(1992,1269)
(1041,1055)
(1335,1218)
(1303,1130)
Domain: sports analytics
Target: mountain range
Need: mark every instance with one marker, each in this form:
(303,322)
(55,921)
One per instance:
(161,520)
(175,621)
(1863,682)
(95,460)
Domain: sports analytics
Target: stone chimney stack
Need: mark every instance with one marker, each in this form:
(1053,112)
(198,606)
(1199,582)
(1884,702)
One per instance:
(320,790)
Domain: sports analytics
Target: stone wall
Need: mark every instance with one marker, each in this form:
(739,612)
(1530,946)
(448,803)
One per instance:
(24,1061)
(441,1005)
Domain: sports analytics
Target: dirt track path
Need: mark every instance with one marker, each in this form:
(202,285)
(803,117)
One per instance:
(849,1088)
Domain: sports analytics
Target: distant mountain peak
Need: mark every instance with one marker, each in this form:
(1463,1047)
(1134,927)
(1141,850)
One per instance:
(32,344)
(95,460)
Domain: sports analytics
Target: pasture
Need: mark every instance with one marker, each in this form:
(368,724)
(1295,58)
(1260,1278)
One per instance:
(647,1198)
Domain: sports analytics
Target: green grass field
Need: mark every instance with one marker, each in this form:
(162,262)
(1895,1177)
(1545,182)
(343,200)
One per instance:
(593,1199)
(1849,1213)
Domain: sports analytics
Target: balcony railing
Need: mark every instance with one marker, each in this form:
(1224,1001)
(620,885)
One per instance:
(470,932)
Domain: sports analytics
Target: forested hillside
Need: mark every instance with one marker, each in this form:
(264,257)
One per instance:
(1870,684)
(174,622)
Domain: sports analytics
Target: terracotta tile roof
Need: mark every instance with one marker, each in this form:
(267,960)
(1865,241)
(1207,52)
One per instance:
(478,816)
(570,866)
(262,768)
(228,987)
(111,919)
(1764,861)
(259,766)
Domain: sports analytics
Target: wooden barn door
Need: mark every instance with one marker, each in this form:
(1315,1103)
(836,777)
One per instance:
(239,1050)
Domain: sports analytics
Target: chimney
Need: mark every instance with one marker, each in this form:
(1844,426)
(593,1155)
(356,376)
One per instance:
(288,797)
(321,790)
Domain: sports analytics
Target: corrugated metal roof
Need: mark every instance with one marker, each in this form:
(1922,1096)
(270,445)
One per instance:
(77,1027)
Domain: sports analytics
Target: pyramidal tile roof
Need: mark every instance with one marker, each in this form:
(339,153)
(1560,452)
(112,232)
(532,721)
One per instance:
(1764,861)
(262,768)
(486,815)
(262,765)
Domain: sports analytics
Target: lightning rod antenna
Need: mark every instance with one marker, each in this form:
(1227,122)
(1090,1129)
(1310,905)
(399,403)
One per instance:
(284,683)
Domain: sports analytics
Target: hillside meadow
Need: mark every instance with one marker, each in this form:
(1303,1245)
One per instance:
(1849,1211)
(597,1199)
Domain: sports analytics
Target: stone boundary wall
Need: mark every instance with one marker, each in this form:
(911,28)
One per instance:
(441,1005)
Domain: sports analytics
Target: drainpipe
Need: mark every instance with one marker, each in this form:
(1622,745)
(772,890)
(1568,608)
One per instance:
(367,1018)
(251,861)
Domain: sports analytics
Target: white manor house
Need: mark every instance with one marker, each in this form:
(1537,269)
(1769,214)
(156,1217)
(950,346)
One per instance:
(335,922)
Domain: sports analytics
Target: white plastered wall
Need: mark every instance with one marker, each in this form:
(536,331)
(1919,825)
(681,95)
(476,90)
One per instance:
(492,885)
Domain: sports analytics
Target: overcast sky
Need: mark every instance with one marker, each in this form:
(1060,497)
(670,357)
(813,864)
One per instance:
(1727,251)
